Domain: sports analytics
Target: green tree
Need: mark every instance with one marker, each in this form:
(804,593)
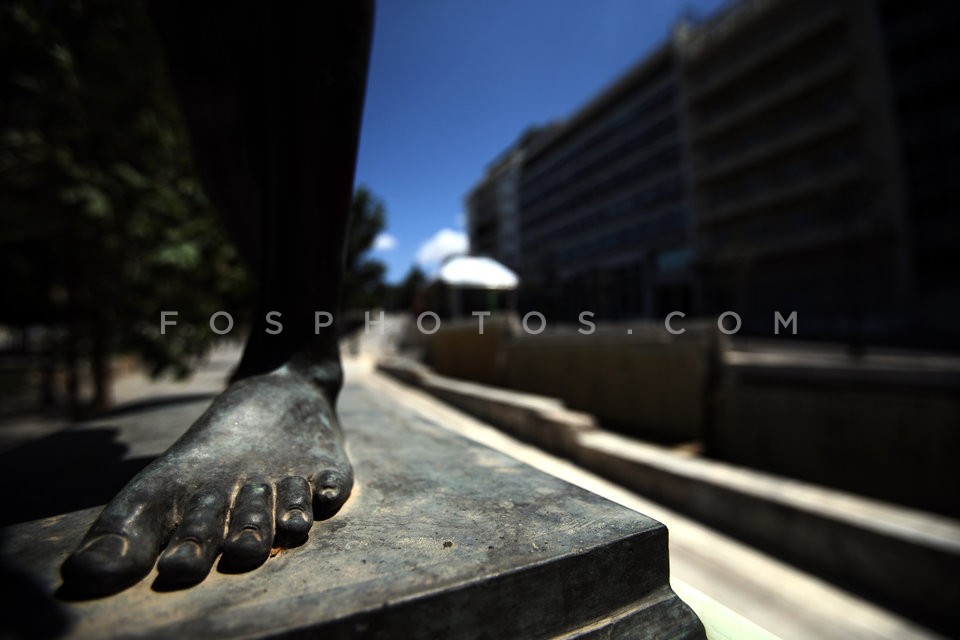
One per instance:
(105,224)
(363,282)
(404,294)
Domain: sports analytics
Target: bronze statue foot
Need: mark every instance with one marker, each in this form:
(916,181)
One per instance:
(253,471)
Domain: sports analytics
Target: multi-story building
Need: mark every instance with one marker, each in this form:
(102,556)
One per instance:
(493,207)
(604,204)
(779,156)
(923,62)
(797,197)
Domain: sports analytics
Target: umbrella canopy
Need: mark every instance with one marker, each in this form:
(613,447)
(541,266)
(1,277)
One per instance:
(477,272)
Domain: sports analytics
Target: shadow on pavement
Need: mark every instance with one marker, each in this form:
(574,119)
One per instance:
(77,467)
(28,610)
(154,403)
(67,471)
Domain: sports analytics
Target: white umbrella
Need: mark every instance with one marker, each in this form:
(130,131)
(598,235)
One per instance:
(477,272)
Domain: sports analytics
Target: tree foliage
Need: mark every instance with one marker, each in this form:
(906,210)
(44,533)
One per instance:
(364,287)
(105,224)
(406,294)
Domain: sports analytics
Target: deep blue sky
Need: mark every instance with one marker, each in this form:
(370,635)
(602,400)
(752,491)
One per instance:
(454,82)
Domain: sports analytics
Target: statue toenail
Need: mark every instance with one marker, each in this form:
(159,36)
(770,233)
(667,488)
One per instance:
(295,515)
(113,544)
(187,548)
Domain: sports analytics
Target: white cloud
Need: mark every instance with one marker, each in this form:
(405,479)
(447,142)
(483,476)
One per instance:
(384,242)
(443,244)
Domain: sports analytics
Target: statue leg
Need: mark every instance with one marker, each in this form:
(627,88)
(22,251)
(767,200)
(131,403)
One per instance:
(272,94)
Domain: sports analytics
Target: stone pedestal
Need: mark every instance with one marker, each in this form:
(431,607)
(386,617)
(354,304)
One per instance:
(443,538)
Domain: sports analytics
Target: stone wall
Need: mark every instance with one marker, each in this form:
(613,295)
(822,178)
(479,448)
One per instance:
(887,427)
(647,382)
(883,433)
(459,350)
(650,383)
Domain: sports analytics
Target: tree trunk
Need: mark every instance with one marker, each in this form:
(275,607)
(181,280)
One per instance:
(73,374)
(101,369)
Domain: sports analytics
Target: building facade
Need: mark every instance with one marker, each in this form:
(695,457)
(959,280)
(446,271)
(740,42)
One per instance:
(778,156)
(604,204)
(493,206)
(796,195)
(923,62)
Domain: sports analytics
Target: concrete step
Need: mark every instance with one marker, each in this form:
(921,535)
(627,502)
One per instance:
(902,558)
